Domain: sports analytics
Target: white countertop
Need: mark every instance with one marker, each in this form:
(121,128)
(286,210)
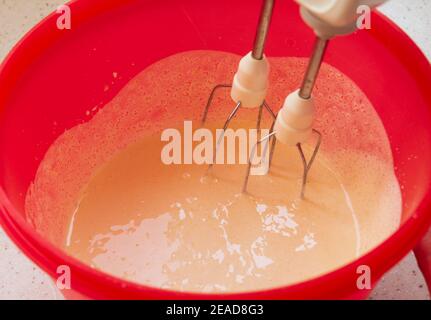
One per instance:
(21,279)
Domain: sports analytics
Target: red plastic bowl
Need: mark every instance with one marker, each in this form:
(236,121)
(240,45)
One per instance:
(50,76)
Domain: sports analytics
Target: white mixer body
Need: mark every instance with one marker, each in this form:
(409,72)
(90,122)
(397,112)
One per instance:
(329,18)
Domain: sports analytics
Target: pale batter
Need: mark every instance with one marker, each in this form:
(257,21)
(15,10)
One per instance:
(174,227)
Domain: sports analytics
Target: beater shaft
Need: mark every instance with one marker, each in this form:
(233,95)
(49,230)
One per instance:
(313,68)
(262,29)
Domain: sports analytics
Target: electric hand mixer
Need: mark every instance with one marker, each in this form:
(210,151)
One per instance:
(293,124)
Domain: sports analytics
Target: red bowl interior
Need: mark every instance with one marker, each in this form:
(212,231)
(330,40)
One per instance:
(55,75)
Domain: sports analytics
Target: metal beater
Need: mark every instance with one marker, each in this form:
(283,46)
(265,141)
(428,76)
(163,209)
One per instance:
(250,83)
(293,124)
(293,127)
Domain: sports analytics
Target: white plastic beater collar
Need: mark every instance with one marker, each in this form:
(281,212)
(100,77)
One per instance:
(295,120)
(250,83)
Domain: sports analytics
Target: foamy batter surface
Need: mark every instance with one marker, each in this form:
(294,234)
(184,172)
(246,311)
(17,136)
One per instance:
(123,211)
